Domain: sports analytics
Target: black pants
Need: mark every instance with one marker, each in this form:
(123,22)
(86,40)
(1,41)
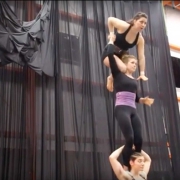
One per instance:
(130,126)
(118,52)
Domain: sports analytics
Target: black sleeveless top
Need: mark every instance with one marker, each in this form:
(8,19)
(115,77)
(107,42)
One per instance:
(121,42)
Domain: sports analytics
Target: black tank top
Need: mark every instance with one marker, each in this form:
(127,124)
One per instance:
(121,81)
(121,42)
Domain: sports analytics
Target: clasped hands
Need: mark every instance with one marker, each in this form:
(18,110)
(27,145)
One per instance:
(147,101)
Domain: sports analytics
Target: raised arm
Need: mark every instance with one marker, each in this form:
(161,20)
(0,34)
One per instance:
(112,61)
(141,57)
(115,164)
(147,162)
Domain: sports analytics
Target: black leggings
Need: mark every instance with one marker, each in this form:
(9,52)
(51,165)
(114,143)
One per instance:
(118,52)
(130,126)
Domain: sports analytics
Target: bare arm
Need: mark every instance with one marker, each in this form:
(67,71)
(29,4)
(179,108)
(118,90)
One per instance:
(115,64)
(115,164)
(141,56)
(116,23)
(147,162)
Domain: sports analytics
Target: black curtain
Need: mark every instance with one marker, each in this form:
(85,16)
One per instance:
(63,127)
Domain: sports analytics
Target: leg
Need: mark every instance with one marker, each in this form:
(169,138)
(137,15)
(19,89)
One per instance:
(117,56)
(105,60)
(122,114)
(136,124)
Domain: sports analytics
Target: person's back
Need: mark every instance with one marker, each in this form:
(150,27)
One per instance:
(121,41)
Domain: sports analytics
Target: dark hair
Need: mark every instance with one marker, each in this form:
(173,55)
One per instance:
(136,17)
(133,157)
(125,56)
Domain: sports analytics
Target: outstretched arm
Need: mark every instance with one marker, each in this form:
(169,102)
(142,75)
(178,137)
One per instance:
(141,57)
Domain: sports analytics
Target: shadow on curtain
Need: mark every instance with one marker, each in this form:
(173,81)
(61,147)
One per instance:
(63,127)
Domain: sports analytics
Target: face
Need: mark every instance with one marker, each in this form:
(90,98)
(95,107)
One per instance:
(131,65)
(138,164)
(140,24)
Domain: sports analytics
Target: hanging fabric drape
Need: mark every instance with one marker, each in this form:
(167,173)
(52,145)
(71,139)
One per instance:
(56,116)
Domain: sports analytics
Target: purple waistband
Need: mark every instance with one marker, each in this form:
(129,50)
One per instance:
(125,98)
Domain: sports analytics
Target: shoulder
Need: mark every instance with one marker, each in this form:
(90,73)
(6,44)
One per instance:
(140,38)
(123,25)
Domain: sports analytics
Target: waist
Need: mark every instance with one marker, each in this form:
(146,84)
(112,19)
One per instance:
(125,98)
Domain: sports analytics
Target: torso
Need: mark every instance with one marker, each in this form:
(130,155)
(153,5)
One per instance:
(129,176)
(122,82)
(121,41)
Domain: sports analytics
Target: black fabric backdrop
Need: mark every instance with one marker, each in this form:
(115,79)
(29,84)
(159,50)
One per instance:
(56,116)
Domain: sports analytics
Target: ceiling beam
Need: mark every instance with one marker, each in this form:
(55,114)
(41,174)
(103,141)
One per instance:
(173,3)
(165,3)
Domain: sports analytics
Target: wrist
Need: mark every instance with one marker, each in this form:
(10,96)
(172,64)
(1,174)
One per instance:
(142,73)
(111,33)
(110,78)
(141,100)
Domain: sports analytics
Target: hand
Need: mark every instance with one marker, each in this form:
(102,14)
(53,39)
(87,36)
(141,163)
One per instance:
(143,77)
(148,101)
(110,84)
(112,37)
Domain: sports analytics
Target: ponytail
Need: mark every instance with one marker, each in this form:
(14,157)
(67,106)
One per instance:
(136,17)
(130,21)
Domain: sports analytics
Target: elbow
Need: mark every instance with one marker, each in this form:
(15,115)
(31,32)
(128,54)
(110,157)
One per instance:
(148,160)
(111,158)
(110,20)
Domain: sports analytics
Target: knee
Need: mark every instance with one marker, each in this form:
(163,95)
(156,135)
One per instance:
(106,62)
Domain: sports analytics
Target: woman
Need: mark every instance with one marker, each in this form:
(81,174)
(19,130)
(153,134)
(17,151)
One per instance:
(126,95)
(139,165)
(128,35)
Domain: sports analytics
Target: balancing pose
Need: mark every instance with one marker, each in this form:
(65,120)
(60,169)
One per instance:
(128,35)
(139,165)
(125,86)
